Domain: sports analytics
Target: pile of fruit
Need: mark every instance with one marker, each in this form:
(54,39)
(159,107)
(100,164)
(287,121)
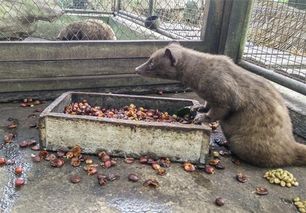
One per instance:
(130,112)
(300,204)
(281,177)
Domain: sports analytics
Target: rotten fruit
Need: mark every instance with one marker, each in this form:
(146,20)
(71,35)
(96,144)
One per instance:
(19,182)
(131,112)
(209,169)
(75,179)
(151,183)
(133,177)
(241,178)
(189,167)
(2,161)
(219,201)
(18,170)
(261,191)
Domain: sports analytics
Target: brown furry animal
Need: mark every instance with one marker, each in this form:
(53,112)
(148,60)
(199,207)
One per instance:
(252,112)
(90,29)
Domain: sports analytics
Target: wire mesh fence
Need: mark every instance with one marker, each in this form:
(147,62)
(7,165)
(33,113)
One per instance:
(101,19)
(276,37)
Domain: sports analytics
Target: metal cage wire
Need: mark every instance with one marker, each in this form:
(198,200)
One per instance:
(276,37)
(129,19)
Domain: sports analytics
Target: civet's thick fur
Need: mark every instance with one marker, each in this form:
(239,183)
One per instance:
(252,113)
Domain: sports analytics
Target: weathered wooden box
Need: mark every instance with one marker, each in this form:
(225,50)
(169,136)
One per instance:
(179,142)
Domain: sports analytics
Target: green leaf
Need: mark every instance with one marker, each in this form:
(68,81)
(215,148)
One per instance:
(183,112)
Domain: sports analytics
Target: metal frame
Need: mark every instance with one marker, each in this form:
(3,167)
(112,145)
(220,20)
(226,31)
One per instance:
(233,45)
(234,26)
(275,77)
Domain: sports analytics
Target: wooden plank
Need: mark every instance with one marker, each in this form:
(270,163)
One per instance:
(61,50)
(212,25)
(83,82)
(51,94)
(227,9)
(62,68)
(236,30)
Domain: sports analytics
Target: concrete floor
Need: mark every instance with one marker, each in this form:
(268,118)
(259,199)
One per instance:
(49,190)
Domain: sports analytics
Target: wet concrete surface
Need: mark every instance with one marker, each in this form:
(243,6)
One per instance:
(49,190)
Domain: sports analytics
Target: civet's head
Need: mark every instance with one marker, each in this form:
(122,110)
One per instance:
(162,63)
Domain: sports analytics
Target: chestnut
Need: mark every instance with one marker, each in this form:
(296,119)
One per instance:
(241,178)
(214,162)
(189,167)
(76,151)
(219,201)
(50,157)
(57,162)
(143,159)
(155,166)
(133,177)
(2,161)
(92,170)
(19,182)
(18,170)
(75,179)
(209,170)
(129,160)
(262,191)
(219,166)
(69,155)
(75,162)
(103,156)
(151,183)
(164,162)
(161,171)
(43,154)
(102,181)
(107,164)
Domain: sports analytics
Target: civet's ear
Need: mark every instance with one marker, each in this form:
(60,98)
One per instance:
(174,42)
(169,54)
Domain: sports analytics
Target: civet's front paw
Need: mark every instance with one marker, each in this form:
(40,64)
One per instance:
(199,108)
(201,118)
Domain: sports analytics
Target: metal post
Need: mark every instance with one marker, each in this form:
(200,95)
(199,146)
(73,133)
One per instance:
(275,77)
(234,31)
(114,7)
(118,5)
(151,7)
(212,22)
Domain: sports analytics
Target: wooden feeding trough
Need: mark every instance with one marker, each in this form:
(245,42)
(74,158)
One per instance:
(179,142)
